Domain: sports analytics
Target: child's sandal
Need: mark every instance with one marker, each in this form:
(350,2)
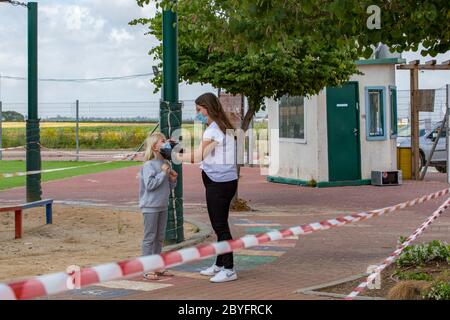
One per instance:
(151,276)
(164,273)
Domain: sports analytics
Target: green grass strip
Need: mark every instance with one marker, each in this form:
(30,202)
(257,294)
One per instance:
(10,166)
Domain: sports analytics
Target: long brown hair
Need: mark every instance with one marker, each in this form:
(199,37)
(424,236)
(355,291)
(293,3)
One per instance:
(212,104)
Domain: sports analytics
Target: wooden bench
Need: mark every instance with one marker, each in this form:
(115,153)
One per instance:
(18,209)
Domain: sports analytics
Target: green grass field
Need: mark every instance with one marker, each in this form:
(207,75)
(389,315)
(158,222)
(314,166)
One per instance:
(10,166)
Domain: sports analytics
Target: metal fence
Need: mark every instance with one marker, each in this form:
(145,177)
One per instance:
(427,120)
(126,111)
(119,111)
(59,129)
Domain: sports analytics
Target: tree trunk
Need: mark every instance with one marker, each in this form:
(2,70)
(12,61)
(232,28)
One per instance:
(247,118)
(244,126)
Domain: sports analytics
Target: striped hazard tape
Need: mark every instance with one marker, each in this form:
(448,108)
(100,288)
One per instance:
(60,282)
(376,272)
(13,148)
(29,173)
(92,155)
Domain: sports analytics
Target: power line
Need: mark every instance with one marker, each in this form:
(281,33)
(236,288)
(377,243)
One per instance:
(15,3)
(100,79)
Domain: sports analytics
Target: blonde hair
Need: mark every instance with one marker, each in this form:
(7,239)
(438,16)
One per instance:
(150,143)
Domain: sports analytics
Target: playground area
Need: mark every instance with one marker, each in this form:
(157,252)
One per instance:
(78,236)
(290,161)
(86,231)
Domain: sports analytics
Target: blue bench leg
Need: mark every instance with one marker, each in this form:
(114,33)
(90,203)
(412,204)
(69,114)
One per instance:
(48,213)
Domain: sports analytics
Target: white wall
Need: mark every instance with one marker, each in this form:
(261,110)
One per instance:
(296,159)
(376,155)
(309,160)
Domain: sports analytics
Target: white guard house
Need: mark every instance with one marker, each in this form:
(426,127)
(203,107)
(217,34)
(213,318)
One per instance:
(336,138)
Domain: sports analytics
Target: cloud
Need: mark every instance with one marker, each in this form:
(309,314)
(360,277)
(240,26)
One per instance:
(79,22)
(120,35)
(78,39)
(77,17)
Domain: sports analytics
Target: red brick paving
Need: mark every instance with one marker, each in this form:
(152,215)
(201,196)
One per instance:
(317,258)
(120,187)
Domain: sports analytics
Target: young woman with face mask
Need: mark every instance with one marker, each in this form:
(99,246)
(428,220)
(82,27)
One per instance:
(217,157)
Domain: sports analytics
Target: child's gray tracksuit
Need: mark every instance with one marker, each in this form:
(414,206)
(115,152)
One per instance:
(154,191)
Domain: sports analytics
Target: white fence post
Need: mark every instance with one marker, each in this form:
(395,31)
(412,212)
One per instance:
(77,116)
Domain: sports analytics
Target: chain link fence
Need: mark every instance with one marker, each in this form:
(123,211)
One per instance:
(427,120)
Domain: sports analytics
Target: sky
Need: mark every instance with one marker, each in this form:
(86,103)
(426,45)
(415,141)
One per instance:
(92,38)
(82,39)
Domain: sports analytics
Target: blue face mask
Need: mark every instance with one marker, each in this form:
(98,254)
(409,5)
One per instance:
(201,118)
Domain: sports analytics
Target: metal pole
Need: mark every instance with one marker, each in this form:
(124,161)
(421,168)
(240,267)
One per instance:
(251,143)
(448,131)
(171,118)
(33,161)
(415,170)
(433,148)
(1,117)
(77,127)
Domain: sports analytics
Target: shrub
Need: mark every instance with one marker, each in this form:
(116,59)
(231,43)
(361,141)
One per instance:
(422,253)
(418,276)
(439,291)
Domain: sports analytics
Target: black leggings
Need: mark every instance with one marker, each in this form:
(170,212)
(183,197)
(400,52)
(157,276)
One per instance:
(218,199)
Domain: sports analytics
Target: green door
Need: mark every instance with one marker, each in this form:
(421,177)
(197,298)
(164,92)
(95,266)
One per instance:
(343,133)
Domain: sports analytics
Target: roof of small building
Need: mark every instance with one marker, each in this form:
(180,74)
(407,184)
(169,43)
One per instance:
(380,61)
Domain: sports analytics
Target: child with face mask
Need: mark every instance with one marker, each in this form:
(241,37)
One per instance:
(156,182)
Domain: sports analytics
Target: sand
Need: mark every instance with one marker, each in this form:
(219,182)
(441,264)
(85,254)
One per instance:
(78,236)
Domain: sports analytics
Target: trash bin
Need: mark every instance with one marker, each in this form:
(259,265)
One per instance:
(404,162)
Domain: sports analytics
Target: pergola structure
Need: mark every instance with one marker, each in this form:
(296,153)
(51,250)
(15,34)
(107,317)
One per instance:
(414,67)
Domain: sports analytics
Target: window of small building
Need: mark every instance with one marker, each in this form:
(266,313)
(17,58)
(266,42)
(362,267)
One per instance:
(292,117)
(375,113)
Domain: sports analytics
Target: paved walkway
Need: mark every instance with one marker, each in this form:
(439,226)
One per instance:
(271,271)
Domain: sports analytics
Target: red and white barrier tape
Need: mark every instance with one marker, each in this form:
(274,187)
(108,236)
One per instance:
(13,148)
(58,282)
(362,286)
(81,155)
(29,173)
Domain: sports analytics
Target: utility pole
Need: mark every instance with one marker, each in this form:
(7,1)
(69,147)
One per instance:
(170,118)
(33,162)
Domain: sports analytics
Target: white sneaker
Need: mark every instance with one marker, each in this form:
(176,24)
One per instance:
(211,271)
(224,275)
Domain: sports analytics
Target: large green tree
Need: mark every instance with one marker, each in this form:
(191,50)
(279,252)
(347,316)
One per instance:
(269,48)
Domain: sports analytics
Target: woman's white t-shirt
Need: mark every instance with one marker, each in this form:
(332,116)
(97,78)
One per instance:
(220,163)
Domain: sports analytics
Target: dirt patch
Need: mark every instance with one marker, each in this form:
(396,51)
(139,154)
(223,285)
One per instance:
(240,205)
(389,280)
(78,236)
